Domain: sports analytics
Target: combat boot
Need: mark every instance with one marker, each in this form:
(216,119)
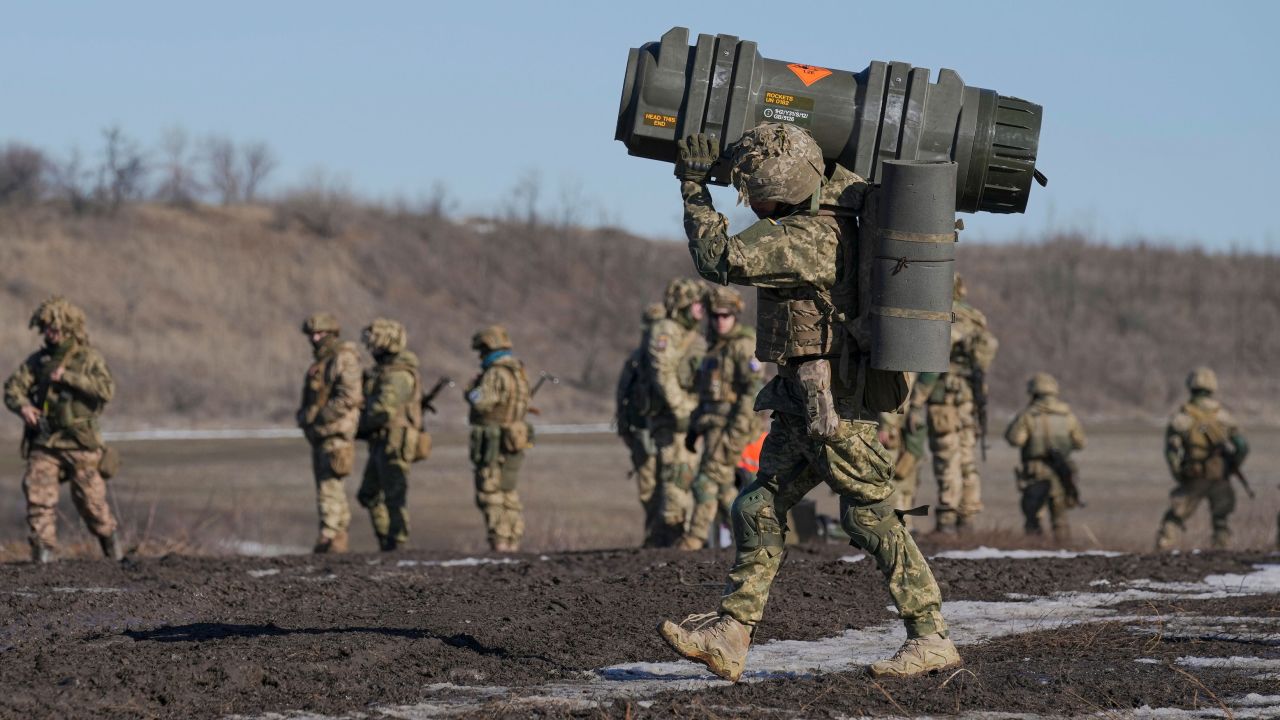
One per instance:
(918,656)
(335,544)
(1221,540)
(42,554)
(718,641)
(111,547)
(689,542)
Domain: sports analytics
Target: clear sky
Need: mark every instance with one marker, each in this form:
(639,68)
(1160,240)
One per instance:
(1161,118)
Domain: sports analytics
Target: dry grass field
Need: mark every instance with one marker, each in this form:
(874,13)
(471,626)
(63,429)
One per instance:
(255,496)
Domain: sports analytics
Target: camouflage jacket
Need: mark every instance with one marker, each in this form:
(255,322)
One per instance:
(392,403)
(802,252)
(332,392)
(728,380)
(1203,440)
(69,406)
(1046,425)
(671,363)
(499,395)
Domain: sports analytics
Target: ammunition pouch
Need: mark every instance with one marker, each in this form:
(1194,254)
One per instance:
(422,449)
(486,441)
(109,463)
(516,437)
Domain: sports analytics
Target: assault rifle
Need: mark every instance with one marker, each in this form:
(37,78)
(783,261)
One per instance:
(1233,468)
(542,380)
(1066,472)
(978,384)
(429,396)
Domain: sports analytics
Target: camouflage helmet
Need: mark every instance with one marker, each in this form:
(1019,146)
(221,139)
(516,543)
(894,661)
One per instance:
(776,162)
(958,289)
(1042,383)
(653,312)
(58,312)
(493,337)
(680,294)
(724,299)
(1202,379)
(321,322)
(384,336)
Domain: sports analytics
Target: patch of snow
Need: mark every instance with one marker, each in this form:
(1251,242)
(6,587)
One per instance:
(461,562)
(253,548)
(1098,583)
(87,590)
(990,553)
(1236,662)
(853,558)
(1147,661)
(264,573)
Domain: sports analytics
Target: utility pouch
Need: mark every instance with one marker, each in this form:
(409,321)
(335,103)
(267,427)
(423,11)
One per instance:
(819,404)
(341,459)
(485,441)
(423,449)
(516,437)
(109,463)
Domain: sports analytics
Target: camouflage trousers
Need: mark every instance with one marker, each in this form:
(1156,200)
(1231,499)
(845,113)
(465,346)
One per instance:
(1183,502)
(953,436)
(854,466)
(713,490)
(46,467)
(331,461)
(498,500)
(1041,487)
(644,464)
(675,471)
(384,493)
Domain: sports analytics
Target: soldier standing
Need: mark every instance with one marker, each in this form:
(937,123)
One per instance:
(675,349)
(1047,433)
(331,399)
(391,422)
(499,400)
(955,401)
(59,391)
(631,417)
(1203,448)
(727,382)
(801,256)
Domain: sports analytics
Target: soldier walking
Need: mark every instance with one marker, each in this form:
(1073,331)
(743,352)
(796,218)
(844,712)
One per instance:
(1203,448)
(955,403)
(1046,432)
(631,417)
(391,422)
(499,400)
(727,382)
(332,395)
(59,392)
(801,256)
(675,349)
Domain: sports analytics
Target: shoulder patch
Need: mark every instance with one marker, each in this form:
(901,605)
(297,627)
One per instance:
(754,364)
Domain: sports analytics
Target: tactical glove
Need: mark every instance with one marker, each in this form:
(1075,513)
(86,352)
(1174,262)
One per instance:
(695,156)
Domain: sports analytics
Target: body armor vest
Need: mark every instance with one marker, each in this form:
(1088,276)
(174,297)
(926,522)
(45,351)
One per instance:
(511,407)
(410,413)
(1050,431)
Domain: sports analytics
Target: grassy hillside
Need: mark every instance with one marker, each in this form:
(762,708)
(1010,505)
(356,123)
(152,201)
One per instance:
(198,310)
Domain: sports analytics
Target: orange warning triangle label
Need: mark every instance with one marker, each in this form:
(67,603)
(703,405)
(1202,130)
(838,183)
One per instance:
(808,74)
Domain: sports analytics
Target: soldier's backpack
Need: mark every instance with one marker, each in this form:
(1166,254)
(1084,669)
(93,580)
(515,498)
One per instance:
(634,397)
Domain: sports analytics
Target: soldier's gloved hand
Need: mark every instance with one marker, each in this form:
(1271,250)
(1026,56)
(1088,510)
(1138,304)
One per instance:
(691,441)
(694,157)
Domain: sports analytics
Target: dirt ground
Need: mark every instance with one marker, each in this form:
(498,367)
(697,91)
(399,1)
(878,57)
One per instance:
(256,496)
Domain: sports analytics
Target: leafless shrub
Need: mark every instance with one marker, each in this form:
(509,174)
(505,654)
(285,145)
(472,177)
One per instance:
(322,206)
(259,162)
(123,172)
(22,174)
(222,169)
(178,183)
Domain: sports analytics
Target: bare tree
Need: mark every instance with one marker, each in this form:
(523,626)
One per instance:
(323,206)
(259,161)
(123,171)
(73,182)
(22,174)
(222,169)
(178,184)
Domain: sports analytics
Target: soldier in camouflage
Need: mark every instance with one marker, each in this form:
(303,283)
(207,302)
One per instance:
(59,391)
(631,418)
(948,399)
(675,350)
(1046,432)
(727,382)
(390,422)
(903,435)
(802,258)
(499,400)
(1203,446)
(332,395)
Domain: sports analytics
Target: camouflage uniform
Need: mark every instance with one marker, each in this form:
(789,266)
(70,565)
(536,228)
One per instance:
(952,420)
(1203,445)
(332,395)
(675,349)
(804,264)
(1047,432)
(390,422)
(499,400)
(67,382)
(631,403)
(727,382)
(906,447)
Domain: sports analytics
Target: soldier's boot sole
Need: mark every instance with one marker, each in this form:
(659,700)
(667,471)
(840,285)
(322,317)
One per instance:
(679,640)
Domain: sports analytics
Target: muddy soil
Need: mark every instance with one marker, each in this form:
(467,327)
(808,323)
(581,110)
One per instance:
(211,637)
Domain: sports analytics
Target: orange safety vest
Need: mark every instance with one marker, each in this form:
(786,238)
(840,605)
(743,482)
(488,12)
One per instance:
(751,454)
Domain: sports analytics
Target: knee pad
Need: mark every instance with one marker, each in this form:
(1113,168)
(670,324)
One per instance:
(755,522)
(868,526)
